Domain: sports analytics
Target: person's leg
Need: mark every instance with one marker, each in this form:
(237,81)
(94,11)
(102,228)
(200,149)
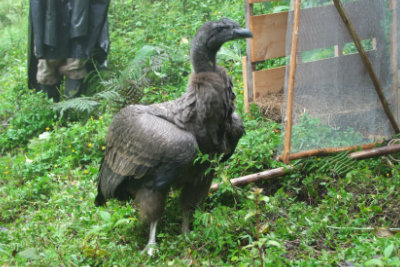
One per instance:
(48,77)
(74,70)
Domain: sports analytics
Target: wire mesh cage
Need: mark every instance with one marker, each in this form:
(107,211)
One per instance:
(335,102)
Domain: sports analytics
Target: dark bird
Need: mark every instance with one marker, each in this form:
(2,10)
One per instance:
(150,149)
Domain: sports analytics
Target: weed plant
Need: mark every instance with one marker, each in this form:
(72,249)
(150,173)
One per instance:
(327,212)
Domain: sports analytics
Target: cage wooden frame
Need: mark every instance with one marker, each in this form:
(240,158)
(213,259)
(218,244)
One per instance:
(270,42)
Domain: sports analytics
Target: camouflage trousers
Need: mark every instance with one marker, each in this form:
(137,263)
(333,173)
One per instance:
(50,71)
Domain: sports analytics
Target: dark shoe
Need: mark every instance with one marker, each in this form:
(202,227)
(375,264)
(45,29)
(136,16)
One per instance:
(50,90)
(72,87)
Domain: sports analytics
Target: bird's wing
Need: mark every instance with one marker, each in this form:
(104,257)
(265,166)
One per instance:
(139,142)
(143,146)
(234,131)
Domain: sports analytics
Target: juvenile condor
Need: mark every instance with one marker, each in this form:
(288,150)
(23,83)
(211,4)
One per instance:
(150,149)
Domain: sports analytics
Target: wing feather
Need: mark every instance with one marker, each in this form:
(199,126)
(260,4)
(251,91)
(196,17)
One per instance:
(138,142)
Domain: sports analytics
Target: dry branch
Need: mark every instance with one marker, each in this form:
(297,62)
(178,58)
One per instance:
(265,175)
(327,151)
(375,152)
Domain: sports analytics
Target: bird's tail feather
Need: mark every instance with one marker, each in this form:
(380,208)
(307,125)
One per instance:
(108,185)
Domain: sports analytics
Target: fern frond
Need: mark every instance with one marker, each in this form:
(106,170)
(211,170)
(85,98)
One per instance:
(80,104)
(342,163)
(122,88)
(109,95)
(339,164)
(129,83)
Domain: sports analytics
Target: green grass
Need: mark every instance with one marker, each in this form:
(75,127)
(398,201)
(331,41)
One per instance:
(328,212)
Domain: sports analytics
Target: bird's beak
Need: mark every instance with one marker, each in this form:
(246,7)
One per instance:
(242,33)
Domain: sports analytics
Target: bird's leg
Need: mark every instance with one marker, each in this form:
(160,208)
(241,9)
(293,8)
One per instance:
(151,204)
(151,246)
(191,197)
(186,215)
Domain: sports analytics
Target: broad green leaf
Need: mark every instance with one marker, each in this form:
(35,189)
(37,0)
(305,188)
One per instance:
(2,249)
(395,261)
(30,253)
(250,214)
(105,216)
(388,251)
(122,221)
(376,261)
(265,199)
(274,243)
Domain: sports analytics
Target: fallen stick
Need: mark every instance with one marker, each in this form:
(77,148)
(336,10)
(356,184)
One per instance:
(251,178)
(327,151)
(364,228)
(375,152)
(269,174)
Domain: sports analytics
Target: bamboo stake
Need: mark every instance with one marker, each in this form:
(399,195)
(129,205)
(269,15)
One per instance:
(375,152)
(246,88)
(249,64)
(367,64)
(393,53)
(265,175)
(292,74)
(327,151)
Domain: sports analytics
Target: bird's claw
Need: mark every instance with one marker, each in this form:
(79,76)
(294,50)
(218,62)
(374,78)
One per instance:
(150,249)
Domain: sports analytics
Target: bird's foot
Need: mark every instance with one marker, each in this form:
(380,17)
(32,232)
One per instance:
(150,249)
(185,229)
(185,224)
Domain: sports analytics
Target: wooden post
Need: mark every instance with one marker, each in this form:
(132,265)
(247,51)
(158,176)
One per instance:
(249,64)
(245,85)
(394,54)
(292,74)
(367,64)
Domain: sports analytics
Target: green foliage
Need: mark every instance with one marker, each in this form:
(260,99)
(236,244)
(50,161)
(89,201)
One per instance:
(318,54)
(80,105)
(271,7)
(339,164)
(32,116)
(140,72)
(12,29)
(256,149)
(67,148)
(119,89)
(350,48)
(310,133)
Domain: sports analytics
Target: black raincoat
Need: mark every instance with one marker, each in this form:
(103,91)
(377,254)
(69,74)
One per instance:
(67,29)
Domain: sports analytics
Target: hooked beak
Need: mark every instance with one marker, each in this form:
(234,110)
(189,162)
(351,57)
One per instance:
(242,33)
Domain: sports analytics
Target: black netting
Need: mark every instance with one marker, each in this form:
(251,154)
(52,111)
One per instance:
(335,103)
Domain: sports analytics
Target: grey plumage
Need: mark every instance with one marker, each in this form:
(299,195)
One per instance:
(152,148)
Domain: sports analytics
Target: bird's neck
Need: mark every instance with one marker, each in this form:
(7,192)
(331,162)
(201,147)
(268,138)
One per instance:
(203,60)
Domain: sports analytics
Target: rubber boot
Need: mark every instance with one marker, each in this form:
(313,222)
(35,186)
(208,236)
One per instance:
(72,87)
(51,91)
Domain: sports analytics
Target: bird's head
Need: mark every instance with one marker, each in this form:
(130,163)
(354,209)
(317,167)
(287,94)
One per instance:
(214,34)
(209,39)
